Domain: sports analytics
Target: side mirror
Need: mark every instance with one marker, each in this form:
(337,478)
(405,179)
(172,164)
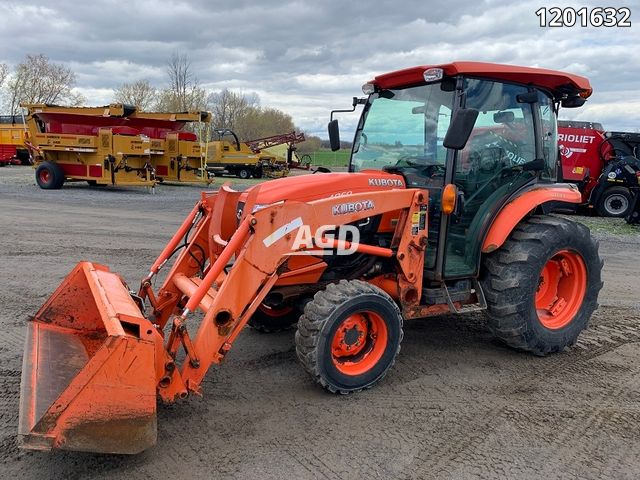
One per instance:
(573,102)
(460,128)
(334,135)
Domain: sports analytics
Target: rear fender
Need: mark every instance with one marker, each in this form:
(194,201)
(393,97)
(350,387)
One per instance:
(519,207)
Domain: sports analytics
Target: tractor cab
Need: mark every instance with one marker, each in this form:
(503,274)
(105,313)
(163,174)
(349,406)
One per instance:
(476,133)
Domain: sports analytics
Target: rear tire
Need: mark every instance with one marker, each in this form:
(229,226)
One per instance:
(244,173)
(349,336)
(49,176)
(615,202)
(542,285)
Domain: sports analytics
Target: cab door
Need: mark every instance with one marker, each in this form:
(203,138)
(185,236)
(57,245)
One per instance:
(486,171)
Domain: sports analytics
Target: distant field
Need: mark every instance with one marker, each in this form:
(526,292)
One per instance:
(327,158)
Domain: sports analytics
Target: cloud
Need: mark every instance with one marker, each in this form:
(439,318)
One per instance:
(307,57)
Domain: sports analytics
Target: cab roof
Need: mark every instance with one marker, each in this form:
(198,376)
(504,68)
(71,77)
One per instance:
(559,83)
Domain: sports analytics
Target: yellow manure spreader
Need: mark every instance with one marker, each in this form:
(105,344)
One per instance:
(113,145)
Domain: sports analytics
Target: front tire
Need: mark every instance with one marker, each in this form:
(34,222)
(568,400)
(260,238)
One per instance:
(542,285)
(49,176)
(349,336)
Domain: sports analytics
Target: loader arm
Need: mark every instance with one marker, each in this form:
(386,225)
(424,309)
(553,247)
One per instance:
(261,246)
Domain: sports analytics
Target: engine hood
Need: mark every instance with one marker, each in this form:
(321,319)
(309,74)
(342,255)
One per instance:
(306,188)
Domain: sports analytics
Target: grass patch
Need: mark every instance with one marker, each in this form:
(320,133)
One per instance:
(613,226)
(327,158)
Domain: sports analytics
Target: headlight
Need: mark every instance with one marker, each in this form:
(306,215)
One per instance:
(368,88)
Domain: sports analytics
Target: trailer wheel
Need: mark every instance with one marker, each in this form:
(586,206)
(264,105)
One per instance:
(349,336)
(49,176)
(267,319)
(542,285)
(615,202)
(24,157)
(244,173)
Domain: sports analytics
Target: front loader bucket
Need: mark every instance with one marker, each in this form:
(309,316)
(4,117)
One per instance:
(88,373)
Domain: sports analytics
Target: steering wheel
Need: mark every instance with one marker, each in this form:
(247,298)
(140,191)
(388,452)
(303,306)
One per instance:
(492,139)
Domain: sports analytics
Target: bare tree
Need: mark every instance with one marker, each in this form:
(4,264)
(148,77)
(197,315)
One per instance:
(4,71)
(259,122)
(37,80)
(181,78)
(228,107)
(243,114)
(140,94)
(184,92)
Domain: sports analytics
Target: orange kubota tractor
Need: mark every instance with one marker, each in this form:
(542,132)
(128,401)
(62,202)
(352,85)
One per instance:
(452,171)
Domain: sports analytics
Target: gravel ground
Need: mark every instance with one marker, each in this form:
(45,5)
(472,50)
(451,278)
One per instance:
(456,404)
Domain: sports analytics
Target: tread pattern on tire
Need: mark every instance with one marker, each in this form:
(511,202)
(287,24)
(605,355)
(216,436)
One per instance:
(317,311)
(510,271)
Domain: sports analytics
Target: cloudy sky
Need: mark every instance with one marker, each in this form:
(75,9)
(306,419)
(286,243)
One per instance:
(306,57)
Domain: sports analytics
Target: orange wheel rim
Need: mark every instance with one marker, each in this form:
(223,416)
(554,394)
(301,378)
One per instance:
(359,343)
(275,312)
(561,289)
(44,176)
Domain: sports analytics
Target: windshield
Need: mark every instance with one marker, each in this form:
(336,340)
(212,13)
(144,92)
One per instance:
(404,128)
